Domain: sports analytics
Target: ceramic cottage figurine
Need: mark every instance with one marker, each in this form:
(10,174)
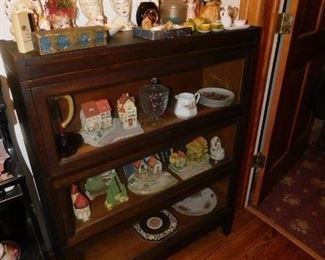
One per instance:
(177,161)
(116,192)
(217,153)
(96,115)
(127,111)
(81,204)
(197,150)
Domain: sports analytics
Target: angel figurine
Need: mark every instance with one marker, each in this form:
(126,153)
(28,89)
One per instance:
(123,11)
(217,153)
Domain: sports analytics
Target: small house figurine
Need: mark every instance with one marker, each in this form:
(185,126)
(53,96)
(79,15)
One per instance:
(154,165)
(217,153)
(96,115)
(141,169)
(116,192)
(177,161)
(81,204)
(197,150)
(127,111)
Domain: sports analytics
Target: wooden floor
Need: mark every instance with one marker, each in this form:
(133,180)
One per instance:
(250,239)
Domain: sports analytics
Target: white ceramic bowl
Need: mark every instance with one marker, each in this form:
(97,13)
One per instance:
(239,22)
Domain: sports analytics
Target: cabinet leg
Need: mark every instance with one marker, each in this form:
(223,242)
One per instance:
(226,227)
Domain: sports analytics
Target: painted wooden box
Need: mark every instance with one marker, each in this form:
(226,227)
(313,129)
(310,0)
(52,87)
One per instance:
(60,40)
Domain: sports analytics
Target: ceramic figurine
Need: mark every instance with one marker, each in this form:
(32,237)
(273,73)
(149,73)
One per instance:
(62,13)
(217,153)
(116,192)
(95,186)
(127,111)
(211,11)
(154,165)
(197,150)
(122,9)
(177,161)
(147,176)
(93,10)
(141,169)
(96,115)
(81,204)
(195,161)
(191,6)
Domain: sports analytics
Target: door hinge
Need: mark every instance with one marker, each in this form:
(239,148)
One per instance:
(284,24)
(259,160)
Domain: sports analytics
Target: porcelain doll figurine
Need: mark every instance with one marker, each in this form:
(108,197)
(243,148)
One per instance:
(191,6)
(217,153)
(123,14)
(93,10)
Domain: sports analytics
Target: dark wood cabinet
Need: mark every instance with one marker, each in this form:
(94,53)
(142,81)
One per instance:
(225,59)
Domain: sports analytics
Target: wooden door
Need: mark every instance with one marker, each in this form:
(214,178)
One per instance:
(288,118)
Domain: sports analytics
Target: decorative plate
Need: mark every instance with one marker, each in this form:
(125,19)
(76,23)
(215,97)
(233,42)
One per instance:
(198,204)
(237,27)
(157,226)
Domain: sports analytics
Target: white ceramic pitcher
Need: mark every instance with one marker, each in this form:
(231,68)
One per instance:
(225,18)
(186,104)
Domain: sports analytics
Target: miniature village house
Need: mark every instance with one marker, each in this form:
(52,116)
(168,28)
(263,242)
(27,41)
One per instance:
(141,169)
(127,111)
(96,115)
(81,204)
(154,165)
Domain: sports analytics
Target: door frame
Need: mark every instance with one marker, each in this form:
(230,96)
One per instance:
(264,14)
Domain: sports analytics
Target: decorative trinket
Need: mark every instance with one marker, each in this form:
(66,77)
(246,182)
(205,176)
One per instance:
(157,226)
(147,176)
(122,9)
(22,6)
(68,142)
(217,153)
(154,99)
(95,115)
(81,204)
(127,111)
(93,10)
(98,126)
(194,162)
(115,191)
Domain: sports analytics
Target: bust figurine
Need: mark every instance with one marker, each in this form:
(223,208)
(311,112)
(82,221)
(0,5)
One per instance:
(93,10)
(217,153)
(123,12)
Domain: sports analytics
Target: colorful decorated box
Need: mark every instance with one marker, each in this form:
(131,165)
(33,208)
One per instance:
(70,39)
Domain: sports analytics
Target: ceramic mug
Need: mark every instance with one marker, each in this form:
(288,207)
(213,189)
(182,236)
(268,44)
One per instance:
(186,104)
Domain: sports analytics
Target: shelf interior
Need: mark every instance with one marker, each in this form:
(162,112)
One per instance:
(128,243)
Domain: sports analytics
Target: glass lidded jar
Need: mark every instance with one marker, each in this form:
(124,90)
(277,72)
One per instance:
(153,99)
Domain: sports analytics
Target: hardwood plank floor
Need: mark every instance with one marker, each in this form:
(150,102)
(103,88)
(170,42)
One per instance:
(251,238)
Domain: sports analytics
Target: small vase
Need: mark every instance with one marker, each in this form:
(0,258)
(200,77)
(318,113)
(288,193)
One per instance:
(174,11)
